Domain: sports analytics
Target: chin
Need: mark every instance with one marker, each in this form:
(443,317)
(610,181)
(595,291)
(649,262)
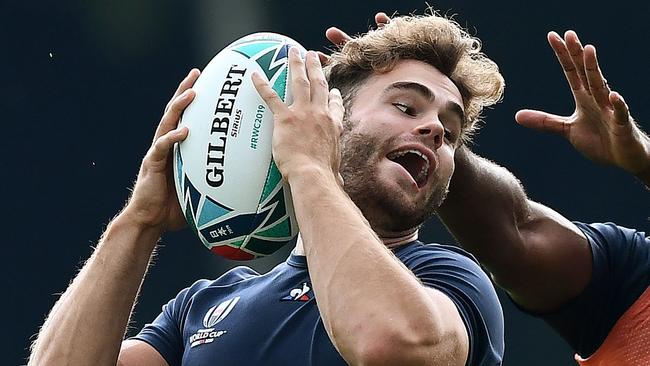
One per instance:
(390,208)
(406,212)
(383,193)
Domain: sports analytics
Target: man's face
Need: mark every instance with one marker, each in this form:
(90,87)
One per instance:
(398,153)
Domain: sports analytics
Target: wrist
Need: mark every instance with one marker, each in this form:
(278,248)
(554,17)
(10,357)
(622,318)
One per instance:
(129,221)
(138,215)
(310,174)
(643,160)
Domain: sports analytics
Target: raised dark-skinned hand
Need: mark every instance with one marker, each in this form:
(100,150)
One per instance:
(601,127)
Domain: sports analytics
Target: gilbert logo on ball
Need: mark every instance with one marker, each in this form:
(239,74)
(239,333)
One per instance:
(229,188)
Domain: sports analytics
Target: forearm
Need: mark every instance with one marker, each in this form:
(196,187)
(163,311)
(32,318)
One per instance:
(484,209)
(536,254)
(88,322)
(369,301)
(632,153)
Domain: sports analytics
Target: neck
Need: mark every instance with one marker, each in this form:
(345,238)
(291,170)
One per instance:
(390,241)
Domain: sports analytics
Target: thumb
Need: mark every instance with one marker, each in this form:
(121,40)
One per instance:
(543,121)
(340,180)
(621,110)
(336,106)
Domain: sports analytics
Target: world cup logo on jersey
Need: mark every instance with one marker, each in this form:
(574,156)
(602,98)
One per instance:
(218,312)
(213,316)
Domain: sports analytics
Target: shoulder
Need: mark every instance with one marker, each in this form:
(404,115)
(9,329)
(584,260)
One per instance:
(234,276)
(610,233)
(621,261)
(454,272)
(616,249)
(458,275)
(165,333)
(620,274)
(417,254)
(447,266)
(176,310)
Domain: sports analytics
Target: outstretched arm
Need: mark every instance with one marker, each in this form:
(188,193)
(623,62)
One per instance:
(538,256)
(103,293)
(533,252)
(489,214)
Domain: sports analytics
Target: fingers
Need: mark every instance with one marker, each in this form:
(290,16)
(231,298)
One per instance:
(337,36)
(163,144)
(317,82)
(381,19)
(577,55)
(185,84)
(323,58)
(543,121)
(180,100)
(299,80)
(308,83)
(563,56)
(175,108)
(270,97)
(597,84)
(621,110)
(581,66)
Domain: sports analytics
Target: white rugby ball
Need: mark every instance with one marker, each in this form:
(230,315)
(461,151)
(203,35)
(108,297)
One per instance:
(228,186)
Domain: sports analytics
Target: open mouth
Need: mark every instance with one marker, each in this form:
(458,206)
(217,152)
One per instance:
(414,162)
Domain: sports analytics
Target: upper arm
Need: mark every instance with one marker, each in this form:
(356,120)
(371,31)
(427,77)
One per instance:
(138,353)
(552,264)
(533,252)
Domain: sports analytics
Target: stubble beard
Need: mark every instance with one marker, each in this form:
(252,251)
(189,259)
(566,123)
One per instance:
(382,207)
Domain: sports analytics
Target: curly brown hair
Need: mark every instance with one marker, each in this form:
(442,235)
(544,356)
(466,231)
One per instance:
(431,38)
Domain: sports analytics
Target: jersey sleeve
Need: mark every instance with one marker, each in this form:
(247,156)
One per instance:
(620,274)
(458,276)
(165,333)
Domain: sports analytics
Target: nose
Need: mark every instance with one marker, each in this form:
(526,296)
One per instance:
(432,130)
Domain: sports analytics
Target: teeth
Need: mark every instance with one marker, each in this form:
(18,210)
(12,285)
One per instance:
(425,168)
(397,154)
(424,171)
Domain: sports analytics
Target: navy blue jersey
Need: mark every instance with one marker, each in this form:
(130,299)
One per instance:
(620,274)
(246,318)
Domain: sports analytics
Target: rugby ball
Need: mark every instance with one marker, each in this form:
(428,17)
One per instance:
(230,190)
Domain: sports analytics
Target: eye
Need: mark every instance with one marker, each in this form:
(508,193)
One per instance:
(405,108)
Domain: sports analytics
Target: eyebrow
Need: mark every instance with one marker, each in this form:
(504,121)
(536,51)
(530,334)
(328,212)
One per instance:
(409,85)
(425,92)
